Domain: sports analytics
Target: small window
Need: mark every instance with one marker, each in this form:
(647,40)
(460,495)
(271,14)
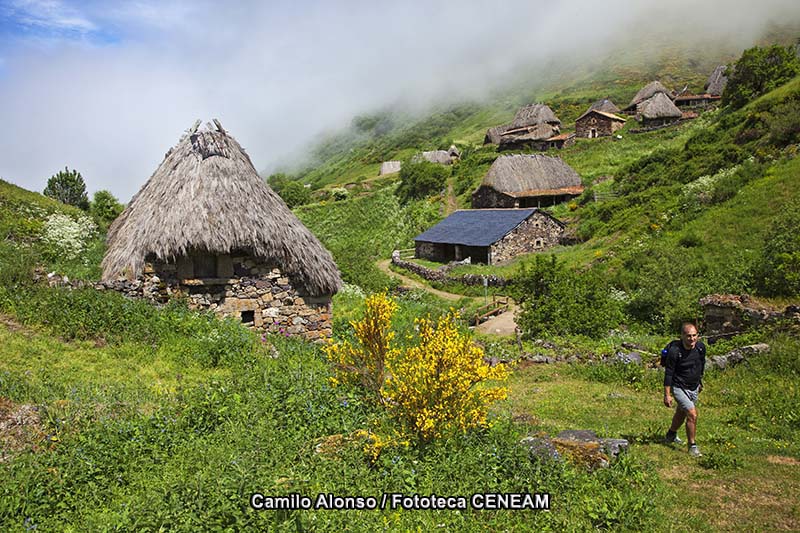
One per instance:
(248,317)
(538,243)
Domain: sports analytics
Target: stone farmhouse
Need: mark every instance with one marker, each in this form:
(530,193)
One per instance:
(645,93)
(491,236)
(535,126)
(658,110)
(207,227)
(600,120)
(527,180)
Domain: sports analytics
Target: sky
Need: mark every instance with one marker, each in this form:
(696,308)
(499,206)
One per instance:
(107,87)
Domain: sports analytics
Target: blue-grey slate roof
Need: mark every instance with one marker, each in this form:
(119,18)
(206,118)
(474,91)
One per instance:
(476,227)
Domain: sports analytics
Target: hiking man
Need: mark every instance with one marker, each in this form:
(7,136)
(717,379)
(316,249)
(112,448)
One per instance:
(684,362)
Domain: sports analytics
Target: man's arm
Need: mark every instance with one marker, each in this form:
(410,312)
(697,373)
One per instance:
(669,371)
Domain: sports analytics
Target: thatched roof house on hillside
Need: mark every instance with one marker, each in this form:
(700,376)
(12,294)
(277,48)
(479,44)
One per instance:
(646,92)
(527,181)
(657,110)
(533,114)
(441,157)
(207,226)
(533,122)
(605,105)
(717,81)
(488,236)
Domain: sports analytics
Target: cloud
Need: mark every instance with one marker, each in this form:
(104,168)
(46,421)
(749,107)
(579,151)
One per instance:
(277,74)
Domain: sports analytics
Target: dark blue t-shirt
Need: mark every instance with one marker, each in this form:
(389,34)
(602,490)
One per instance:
(684,368)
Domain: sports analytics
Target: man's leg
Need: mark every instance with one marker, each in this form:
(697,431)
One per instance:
(691,425)
(677,420)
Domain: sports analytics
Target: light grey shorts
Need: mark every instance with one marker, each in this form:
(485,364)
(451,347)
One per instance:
(686,398)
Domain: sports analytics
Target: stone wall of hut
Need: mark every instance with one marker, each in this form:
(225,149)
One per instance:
(602,126)
(537,233)
(487,197)
(261,296)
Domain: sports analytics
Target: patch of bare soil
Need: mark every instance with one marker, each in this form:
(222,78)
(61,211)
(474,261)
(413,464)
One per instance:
(783,460)
(13,326)
(20,428)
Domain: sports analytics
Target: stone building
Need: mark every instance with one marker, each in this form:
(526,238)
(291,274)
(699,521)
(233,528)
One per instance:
(523,180)
(491,236)
(648,91)
(532,125)
(658,110)
(207,227)
(598,123)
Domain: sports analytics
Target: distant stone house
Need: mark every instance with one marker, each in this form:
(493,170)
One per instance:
(533,124)
(645,93)
(389,167)
(490,236)
(522,180)
(658,110)
(595,123)
(207,228)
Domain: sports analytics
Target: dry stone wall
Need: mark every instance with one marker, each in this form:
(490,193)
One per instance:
(535,234)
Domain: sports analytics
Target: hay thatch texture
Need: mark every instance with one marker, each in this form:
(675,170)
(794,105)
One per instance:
(389,167)
(533,114)
(648,91)
(658,106)
(493,134)
(605,105)
(538,132)
(441,157)
(717,81)
(207,196)
(520,173)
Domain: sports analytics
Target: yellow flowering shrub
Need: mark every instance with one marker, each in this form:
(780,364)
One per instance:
(440,385)
(365,362)
(436,386)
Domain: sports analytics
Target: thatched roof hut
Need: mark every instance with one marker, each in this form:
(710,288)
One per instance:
(658,107)
(207,196)
(646,92)
(389,167)
(717,81)
(534,114)
(605,105)
(441,157)
(513,178)
(494,134)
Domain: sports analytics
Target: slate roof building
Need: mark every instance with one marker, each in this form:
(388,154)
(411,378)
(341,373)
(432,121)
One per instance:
(490,236)
(523,180)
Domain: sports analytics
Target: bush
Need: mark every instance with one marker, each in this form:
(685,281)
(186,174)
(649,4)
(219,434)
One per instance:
(757,72)
(421,179)
(557,300)
(778,273)
(433,387)
(105,207)
(68,187)
(65,237)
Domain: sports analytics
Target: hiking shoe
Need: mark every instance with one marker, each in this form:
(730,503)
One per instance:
(672,438)
(694,451)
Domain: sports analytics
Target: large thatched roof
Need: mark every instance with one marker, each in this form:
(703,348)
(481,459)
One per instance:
(652,88)
(717,81)
(533,114)
(523,175)
(605,105)
(207,196)
(538,132)
(493,134)
(658,106)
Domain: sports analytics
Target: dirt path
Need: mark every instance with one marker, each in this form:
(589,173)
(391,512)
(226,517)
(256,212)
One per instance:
(384,266)
(502,324)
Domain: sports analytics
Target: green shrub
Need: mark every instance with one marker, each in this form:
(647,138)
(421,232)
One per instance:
(557,300)
(421,179)
(758,71)
(778,271)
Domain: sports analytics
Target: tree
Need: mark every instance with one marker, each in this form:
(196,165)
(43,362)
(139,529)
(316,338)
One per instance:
(295,193)
(421,179)
(759,71)
(68,187)
(105,207)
